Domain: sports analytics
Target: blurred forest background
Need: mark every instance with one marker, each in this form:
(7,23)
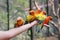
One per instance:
(21,8)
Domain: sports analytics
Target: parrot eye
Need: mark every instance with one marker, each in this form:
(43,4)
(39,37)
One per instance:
(32,13)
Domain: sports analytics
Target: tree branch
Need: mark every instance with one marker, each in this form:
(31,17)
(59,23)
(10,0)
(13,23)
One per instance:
(36,5)
(54,24)
(55,14)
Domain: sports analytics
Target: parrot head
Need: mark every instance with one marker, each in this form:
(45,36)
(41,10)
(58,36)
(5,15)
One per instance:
(19,22)
(49,17)
(32,12)
(38,11)
(43,13)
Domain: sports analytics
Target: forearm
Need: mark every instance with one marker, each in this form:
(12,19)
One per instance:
(13,32)
(3,35)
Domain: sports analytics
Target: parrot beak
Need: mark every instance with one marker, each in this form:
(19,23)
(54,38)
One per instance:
(44,12)
(50,17)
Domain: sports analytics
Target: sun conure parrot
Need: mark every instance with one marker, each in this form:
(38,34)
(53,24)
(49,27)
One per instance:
(41,16)
(46,20)
(31,17)
(19,22)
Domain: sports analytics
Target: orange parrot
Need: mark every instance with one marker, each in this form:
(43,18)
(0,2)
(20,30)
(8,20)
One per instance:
(40,15)
(19,22)
(32,13)
(31,17)
(46,21)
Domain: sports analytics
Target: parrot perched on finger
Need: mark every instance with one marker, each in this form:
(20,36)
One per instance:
(41,15)
(19,22)
(31,17)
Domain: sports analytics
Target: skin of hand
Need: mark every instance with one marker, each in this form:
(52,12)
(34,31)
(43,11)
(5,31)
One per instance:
(5,35)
